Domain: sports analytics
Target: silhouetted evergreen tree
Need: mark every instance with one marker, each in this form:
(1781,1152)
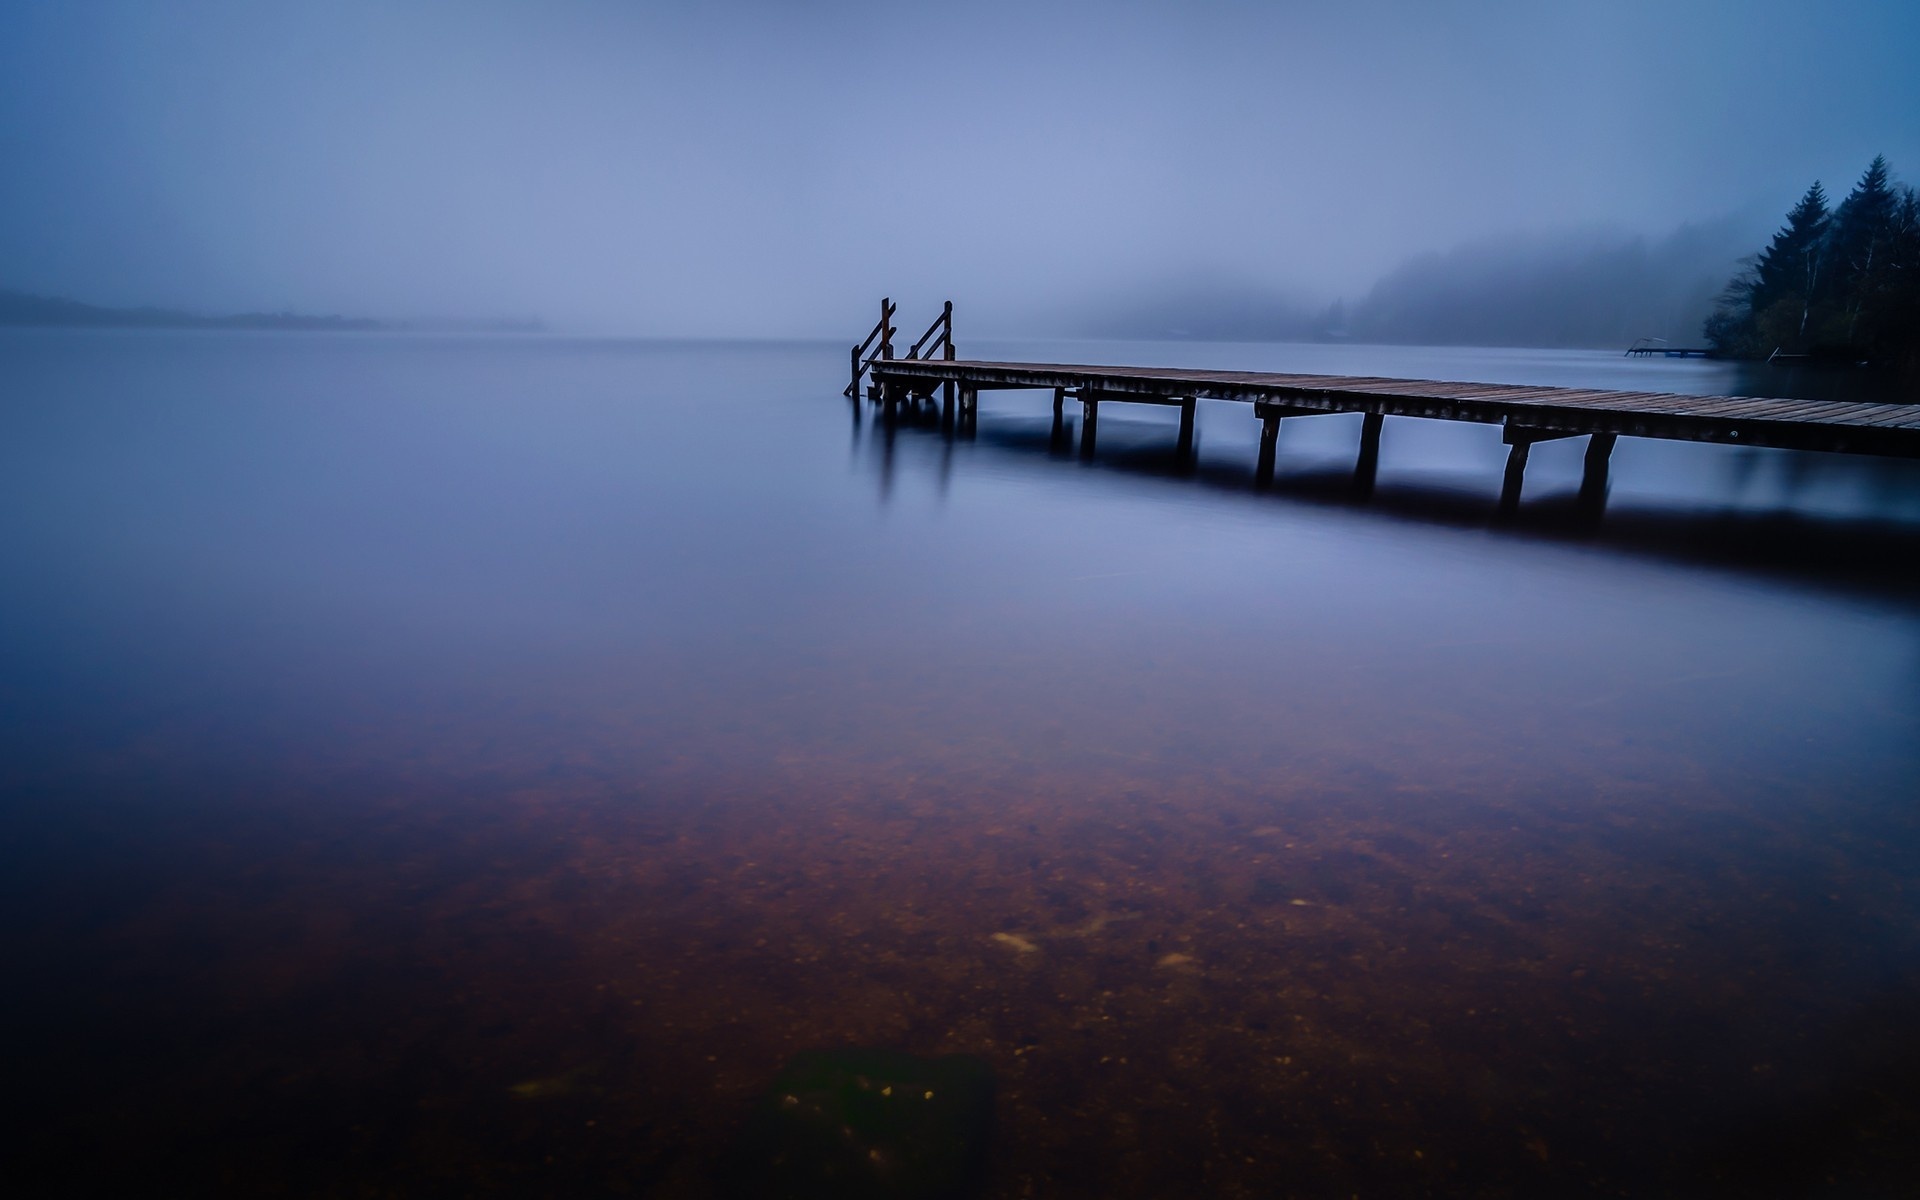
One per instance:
(1859,245)
(1787,275)
(1839,284)
(1770,303)
(1890,321)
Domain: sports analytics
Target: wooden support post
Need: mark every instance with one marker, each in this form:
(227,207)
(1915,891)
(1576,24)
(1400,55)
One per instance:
(1186,425)
(1269,443)
(1599,450)
(1369,464)
(1089,420)
(1521,438)
(1593,480)
(1059,401)
(1516,473)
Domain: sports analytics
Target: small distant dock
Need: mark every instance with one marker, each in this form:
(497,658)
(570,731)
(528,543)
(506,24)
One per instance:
(1658,348)
(1525,414)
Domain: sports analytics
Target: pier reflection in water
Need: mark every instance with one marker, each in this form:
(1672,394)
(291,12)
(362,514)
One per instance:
(1829,521)
(459,766)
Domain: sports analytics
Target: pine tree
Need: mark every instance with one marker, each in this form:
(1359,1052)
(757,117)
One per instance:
(1786,276)
(1888,305)
(1858,245)
(1768,305)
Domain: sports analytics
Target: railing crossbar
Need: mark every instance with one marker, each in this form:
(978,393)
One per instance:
(884,330)
(942,325)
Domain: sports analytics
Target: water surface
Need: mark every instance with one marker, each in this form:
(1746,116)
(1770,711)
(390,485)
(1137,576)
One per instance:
(474,766)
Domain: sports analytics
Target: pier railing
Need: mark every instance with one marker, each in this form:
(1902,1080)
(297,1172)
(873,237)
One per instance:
(943,327)
(884,331)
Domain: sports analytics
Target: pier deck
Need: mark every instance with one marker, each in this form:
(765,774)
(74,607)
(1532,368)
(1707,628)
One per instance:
(1886,429)
(1526,414)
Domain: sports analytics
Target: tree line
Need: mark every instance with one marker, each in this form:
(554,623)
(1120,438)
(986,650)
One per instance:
(1839,283)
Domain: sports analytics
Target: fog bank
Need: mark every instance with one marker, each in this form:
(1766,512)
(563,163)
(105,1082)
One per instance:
(773,169)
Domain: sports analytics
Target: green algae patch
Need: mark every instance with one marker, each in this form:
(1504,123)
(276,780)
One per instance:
(866,1124)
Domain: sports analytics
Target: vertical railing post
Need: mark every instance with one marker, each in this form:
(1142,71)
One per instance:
(886,348)
(947,317)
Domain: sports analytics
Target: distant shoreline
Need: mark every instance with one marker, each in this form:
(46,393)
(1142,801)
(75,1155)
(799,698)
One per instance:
(24,310)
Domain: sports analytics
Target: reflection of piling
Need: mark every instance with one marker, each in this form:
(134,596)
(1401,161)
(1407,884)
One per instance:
(887,430)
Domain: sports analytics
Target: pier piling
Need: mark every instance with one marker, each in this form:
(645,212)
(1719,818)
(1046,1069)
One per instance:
(1369,463)
(1593,478)
(1516,473)
(1269,443)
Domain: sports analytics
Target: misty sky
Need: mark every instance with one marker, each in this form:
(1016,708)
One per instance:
(774,168)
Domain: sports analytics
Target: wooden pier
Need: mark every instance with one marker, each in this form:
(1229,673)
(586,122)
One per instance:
(1525,414)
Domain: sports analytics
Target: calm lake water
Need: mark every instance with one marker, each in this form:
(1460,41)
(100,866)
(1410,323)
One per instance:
(463,766)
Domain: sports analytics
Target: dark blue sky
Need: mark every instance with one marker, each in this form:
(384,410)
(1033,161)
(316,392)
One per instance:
(773,168)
